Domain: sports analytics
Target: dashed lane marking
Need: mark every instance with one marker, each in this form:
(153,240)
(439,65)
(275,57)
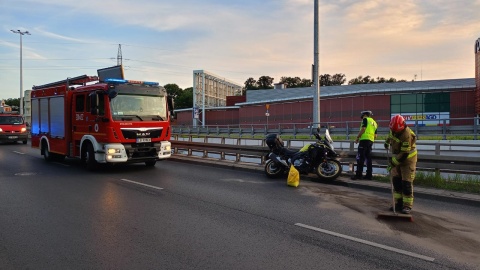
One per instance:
(141,184)
(20,153)
(401,251)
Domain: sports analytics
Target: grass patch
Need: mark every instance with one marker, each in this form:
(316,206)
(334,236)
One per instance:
(457,182)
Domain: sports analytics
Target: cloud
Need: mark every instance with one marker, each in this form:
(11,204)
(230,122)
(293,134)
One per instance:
(48,34)
(167,40)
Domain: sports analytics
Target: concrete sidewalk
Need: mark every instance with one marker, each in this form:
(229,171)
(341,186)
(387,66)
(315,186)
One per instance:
(420,192)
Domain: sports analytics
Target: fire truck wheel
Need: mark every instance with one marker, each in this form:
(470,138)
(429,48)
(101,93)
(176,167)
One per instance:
(46,154)
(150,163)
(24,142)
(88,157)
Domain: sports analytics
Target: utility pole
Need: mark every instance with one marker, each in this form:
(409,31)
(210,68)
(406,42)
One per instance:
(119,55)
(316,83)
(21,33)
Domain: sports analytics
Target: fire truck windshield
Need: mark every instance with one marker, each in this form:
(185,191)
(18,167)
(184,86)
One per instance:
(141,107)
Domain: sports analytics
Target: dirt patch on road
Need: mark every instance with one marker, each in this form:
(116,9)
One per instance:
(449,233)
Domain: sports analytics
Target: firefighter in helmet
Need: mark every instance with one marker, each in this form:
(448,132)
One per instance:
(402,165)
(365,138)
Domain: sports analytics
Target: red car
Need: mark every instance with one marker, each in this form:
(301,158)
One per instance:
(13,128)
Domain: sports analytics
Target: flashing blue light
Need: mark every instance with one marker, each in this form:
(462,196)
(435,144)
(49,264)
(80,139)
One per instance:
(120,81)
(151,83)
(115,81)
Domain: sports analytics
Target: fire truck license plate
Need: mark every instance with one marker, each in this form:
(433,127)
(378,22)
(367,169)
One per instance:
(144,139)
(12,137)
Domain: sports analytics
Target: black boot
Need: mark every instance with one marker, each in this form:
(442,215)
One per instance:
(398,207)
(357,177)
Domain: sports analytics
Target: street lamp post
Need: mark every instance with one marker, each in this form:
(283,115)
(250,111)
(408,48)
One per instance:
(21,33)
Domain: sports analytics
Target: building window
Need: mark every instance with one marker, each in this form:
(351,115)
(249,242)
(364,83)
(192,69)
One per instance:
(422,109)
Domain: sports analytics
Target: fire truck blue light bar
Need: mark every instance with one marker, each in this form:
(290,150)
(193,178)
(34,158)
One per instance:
(120,81)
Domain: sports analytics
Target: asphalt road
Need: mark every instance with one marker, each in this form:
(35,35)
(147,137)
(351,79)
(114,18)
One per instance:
(186,216)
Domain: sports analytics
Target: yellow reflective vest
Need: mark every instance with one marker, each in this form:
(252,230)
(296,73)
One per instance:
(370,130)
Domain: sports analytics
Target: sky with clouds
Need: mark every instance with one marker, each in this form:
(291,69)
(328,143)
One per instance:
(165,41)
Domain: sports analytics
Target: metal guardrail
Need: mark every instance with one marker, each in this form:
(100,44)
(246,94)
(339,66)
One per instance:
(461,158)
(442,128)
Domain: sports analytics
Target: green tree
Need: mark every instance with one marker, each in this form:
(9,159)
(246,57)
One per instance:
(325,80)
(173,89)
(251,84)
(184,99)
(306,83)
(265,82)
(368,79)
(13,102)
(291,82)
(329,80)
(362,80)
(338,79)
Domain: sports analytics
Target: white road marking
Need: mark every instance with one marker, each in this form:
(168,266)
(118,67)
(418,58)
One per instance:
(20,153)
(242,181)
(141,184)
(404,252)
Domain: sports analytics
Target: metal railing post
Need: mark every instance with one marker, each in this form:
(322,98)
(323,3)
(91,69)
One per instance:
(348,131)
(475,127)
(437,153)
(222,154)
(444,129)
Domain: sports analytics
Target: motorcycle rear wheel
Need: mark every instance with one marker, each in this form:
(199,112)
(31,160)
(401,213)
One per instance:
(329,170)
(273,170)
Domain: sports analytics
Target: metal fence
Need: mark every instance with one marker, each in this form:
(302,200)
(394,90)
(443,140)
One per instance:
(462,158)
(441,129)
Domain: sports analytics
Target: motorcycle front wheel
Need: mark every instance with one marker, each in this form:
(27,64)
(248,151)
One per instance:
(329,170)
(273,170)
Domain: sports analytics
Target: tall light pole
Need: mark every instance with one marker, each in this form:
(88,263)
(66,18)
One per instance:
(21,33)
(316,66)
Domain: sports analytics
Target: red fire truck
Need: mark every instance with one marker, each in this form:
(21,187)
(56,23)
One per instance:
(108,121)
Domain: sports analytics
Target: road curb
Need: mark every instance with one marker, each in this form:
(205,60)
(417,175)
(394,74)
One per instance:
(420,192)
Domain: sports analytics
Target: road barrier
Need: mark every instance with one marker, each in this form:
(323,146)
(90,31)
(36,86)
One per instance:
(461,158)
(439,128)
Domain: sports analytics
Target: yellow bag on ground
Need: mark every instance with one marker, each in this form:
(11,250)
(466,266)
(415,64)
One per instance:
(293,179)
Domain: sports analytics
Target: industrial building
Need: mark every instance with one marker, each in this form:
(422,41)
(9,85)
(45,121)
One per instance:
(435,102)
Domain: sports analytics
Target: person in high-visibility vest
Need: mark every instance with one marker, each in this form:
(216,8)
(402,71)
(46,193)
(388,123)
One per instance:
(403,163)
(365,138)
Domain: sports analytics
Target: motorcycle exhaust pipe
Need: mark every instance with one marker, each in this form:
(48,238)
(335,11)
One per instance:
(275,159)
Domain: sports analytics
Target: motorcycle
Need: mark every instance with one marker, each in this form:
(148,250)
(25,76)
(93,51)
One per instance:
(319,157)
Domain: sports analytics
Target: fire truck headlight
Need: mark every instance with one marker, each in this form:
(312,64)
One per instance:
(1,130)
(167,148)
(23,130)
(113,151)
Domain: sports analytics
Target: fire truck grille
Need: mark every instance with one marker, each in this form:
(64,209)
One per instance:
(141,150)
(134,134)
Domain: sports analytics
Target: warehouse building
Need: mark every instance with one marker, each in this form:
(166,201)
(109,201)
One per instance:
(435,102)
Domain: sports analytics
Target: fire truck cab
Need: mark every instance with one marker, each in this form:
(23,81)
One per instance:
(110,121)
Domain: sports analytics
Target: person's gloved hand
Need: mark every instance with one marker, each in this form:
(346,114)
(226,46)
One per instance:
(390,165)
(386,145)
(389,168)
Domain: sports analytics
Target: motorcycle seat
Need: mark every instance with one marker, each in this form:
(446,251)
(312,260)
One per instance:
(289,153)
